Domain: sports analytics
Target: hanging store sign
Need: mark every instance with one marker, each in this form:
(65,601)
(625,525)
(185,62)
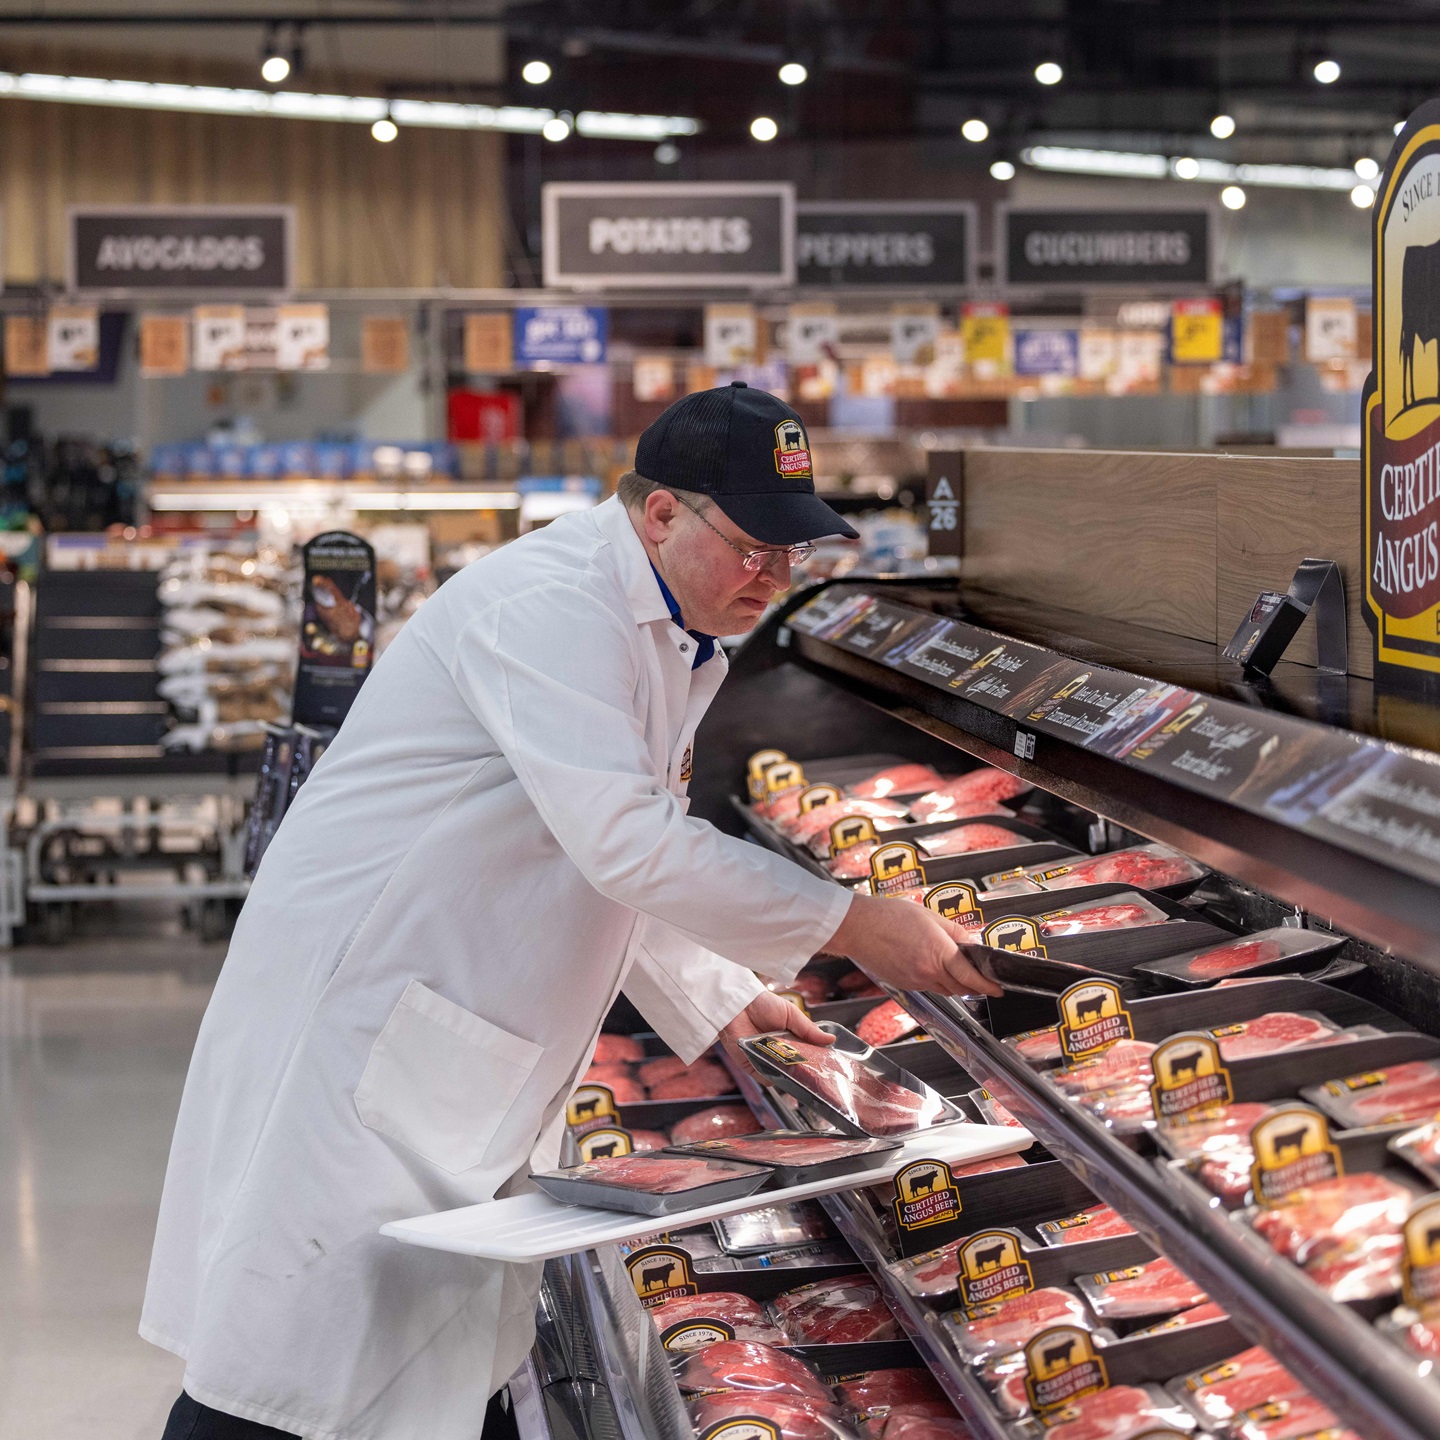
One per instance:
(1078,248)
(883,243)
(1400,434)
(561,334)
(668,235)
(141,249)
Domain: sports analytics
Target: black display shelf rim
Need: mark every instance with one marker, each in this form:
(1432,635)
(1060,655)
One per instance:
(1383,1396)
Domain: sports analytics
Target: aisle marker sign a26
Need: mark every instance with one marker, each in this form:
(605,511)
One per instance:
(1400,433)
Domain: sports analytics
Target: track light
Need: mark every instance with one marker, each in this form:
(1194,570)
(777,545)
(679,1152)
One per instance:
(274,67)
(1047,72)
(1327,72)
(1366,168)
(763,128)
(557,128)
(1222,127)
(1232,197)
(1362,197)
(384,130)
(793,73)
(975,131)
(1002,170)
(535,72)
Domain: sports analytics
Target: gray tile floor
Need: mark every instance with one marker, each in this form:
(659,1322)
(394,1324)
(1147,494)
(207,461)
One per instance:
(94,1041)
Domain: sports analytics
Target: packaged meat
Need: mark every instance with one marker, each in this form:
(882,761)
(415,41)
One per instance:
(814,825)
(1227,1174)
(825,1254)
(644,1140)
(853,863)
(907,779)
(616,1078)
(1286,1420)
(747,1365)
(744,1316)
(863,1093)
(1125,1062)
(1397,1094)
(1225,1128)
(886,1024)
(1421,1147)
(986,1166)
(1158,1287)
(1123,912)
(1273,1034)
(1127,1109)
(969,840)
(792,1415)
(696,1082)
(1366,1270)
(1148,867)
(1004,1376)
(931,1275)
(991,1110)
(1196,1315)
(975,787)
(651,1184)
(713,1124)
(836,1312)
(617,1047)
(877,1390)
(1417,1331)
(771,1227)
(911,1424)
(810,985)
(1100,1222)
(1220,1392)
(1266,952)
(798,1156)
(1120,1413)
(1039,1047)
(1008,1324)
(662,1067)
(857,985)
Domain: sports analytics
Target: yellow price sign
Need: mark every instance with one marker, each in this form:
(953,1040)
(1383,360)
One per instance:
(1197,332)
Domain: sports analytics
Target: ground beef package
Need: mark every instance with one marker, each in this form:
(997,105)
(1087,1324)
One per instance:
(1148,867)
(713,1124)
(1119,912)
(886,1024)
(906,779)
(976,787)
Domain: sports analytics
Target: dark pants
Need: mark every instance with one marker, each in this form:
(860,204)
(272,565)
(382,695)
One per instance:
(190,1420)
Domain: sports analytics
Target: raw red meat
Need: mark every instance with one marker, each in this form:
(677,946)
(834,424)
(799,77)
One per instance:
(928,810)
(837,1312)
(1299,1415)
(1362,1271)
(968,839)
(1402,1092)
(984,1167)
(1198,1315)
(1155,1288)
(618,1047)
(982,784)
(908,779)
(746,1365)
(1038,1046)
(857,985)
(1124,1107)
(742,1314)
(885,1389)
(877,1105)
(1097,1223)
(1119,1413)
(644,1140)
(780,1149)
(655,1174)
(615,1079)
(783,808)
(912,1425)
(1151,867)
(1227,1173)
(1422,1334)
(935,1273)
(1421,1145)
(1253,1377)
(815,824)
(1237,955)
(712,1124)
(812,987)
(662,1067)
(1271,1034)
(609,1072)
(703,1078)
(1334,1215)
(790,1300)
(1017,1320)
(853,863)
(886,1024)
(1100,917)
(796,1418)
(1126,1061)
(1227,1129)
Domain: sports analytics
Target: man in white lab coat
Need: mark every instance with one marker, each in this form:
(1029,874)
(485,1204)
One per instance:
(494,846)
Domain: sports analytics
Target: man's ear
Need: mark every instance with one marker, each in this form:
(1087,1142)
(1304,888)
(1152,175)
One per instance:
(661,511)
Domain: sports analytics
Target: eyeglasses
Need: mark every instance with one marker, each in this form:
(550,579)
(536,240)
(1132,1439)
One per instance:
(765,558)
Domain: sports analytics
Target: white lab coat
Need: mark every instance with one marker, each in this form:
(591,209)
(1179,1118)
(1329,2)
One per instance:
(493,846)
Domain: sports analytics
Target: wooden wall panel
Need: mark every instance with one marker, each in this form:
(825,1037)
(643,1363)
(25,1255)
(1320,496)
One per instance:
(423,211)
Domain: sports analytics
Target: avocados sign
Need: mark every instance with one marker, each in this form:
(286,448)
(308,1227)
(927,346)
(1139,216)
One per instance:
(1400,433)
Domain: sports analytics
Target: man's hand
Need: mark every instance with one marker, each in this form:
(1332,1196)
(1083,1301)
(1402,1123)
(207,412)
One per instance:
(769,1012)
(908,946)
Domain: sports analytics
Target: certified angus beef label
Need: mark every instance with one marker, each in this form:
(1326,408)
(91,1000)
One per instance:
(183,247)
(337,627)
(1400,431)
(881,243)
(1103,247)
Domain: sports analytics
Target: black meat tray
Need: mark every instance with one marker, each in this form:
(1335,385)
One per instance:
(834,1362)
(576,1190)
(783,1078)
(1315,957)
(787,1175)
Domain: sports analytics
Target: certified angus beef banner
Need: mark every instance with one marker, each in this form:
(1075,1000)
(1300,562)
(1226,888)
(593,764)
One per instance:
(666,234)
(337,628)
(1400,431)
(145,249)
(1102,247)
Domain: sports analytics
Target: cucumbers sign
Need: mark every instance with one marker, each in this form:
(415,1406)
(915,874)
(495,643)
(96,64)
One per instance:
(1400,433)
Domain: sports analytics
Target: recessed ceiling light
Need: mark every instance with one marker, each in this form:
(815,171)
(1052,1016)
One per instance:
(1232,197)
(763,128)
(536,72)
(556,128)
(1047,72)
(1002,170)
(793,73)
(1187,167)
(1327,72)
(975,130)
(1222,127)
(1367,168)
(1362,197)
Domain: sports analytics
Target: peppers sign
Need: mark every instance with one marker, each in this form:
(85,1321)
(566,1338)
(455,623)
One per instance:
(1400,434)
(145,249)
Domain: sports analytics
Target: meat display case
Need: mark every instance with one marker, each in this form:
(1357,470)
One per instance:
(1289,836)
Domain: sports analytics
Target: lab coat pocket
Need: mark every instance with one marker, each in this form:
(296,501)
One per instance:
(440,1079)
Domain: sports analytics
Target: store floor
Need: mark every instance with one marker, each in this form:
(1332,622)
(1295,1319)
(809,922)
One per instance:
(94,1041)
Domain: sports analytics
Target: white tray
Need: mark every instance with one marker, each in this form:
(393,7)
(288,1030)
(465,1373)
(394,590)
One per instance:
(535,1227)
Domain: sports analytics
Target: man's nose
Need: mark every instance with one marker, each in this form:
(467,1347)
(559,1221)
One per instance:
(777,570)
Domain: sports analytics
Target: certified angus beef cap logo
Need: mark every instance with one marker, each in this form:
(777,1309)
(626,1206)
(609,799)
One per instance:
(591,1105)
(1092,1018)
(1060,1366)
(1400,430)
(992,1267)
(1014,932)
(792,451)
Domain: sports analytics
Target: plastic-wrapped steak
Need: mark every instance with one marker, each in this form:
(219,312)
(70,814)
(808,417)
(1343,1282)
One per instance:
(906,1424)
(885,1389)
(1120,1413)
(837,1312)
(1098,1223)
(1010,1323)
(908,779)
(1288,1420)
(655,1174)
(794,1417)
(1273,1034)
(746,1317)
(1155,1288)
(1254,1376)
(746,1365)
(1124,916)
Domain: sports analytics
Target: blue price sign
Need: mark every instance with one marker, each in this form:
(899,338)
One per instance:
(1047,352)
(561,334)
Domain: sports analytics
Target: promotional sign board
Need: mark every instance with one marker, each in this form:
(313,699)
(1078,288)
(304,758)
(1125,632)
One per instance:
(142,249)
(561,334)
(1400,407)
(1047,352)
(1102,247)
(921,243)
(337,629)
(668,235)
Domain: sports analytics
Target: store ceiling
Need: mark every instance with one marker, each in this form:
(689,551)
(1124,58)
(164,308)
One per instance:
(1137,73)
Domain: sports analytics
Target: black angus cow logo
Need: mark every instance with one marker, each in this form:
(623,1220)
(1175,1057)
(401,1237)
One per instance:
(1090,1009)
(1420,1264)
(990,1257)
(925,1194)
(657,1276)
(1053,1356)
(1183,1067)
(1291,1141)
(1419,312)
(1060,1366)
(658,1272)
(924,1184)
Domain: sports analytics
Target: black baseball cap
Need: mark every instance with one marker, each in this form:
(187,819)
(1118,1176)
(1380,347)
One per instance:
(748,451)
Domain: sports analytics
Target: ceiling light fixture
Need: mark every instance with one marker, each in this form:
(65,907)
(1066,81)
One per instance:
(1134,165)
(1222,127)
(1362,197)
(793,73)
(1187,168)
(667,153)
(1047,72)
(384,130)
(975,131)
(1399,126)
(1367,168)
(274,67)
(1232,197)
(1327,72)
(764,129)
(1002,170)
(556,128)
(535,72)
